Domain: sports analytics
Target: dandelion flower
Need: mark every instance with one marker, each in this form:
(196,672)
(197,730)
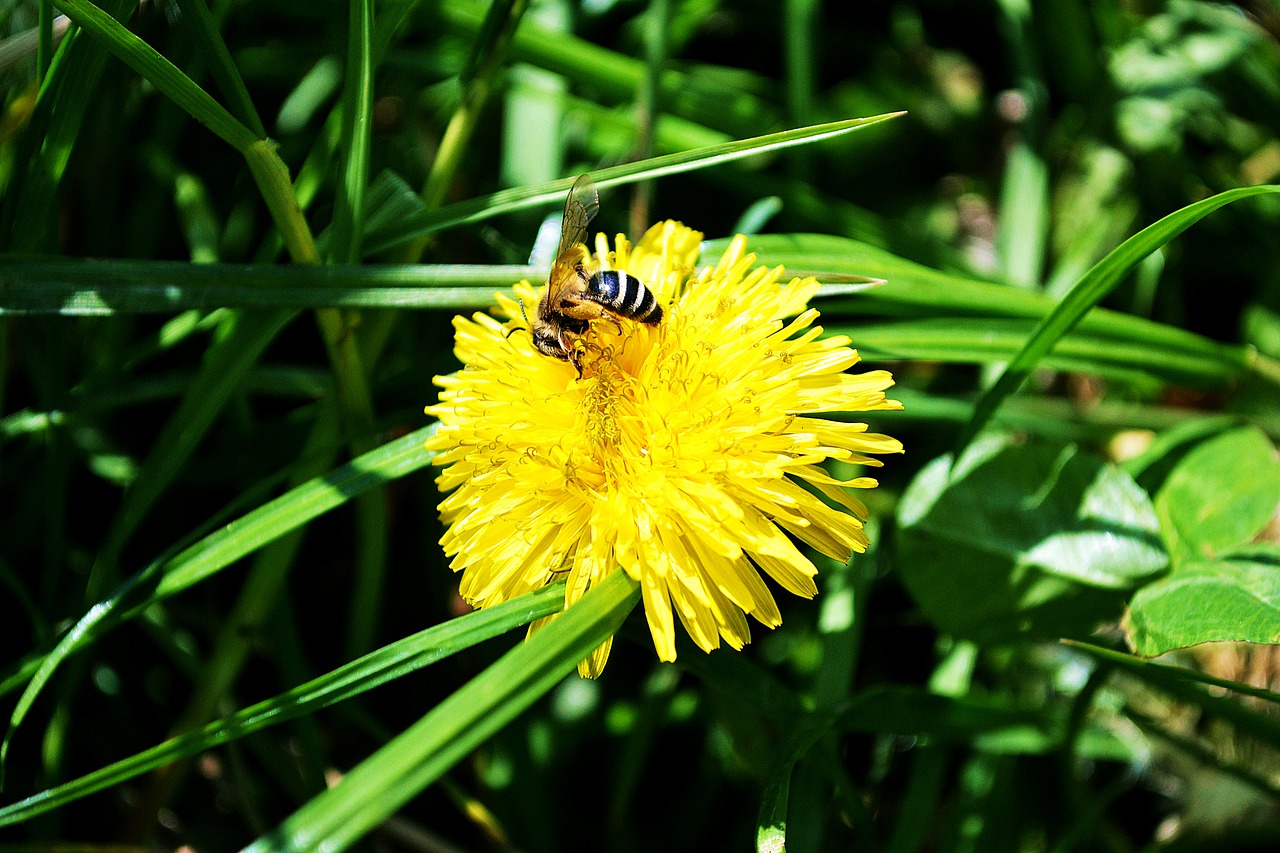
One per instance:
(688,454)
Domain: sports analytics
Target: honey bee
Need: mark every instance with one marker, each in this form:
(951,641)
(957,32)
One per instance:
(573,298)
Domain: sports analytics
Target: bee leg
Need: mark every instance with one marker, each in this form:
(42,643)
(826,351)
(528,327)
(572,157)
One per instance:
(575,358)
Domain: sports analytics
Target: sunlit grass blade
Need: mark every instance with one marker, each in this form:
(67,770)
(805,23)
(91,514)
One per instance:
(1096,284)
(382,783)
(506,201)
(172,574)
(392,661)
(966,341)
(102,288)
(915,290)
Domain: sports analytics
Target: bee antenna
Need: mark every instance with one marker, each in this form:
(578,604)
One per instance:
(522,314)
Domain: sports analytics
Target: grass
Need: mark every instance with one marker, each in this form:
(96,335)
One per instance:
(233,238)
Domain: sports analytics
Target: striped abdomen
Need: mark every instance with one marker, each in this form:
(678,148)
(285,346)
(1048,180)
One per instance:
(624,295)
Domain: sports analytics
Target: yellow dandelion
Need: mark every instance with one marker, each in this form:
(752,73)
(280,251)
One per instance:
(688,453)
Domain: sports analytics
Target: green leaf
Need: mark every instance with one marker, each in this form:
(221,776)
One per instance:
(1221,494)
(406,765)
(1024,541)
(1236,598)
(1088,292)
(388,663)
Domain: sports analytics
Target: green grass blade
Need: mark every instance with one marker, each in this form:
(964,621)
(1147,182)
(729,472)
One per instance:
(476,80)
(966,341)
(44,44)
(103,288)
(1096,284)
(75,288)
(196,18)
(49,141)
(382,783)
(520,198)
(225,363)
(170,575)
(158,71)
(615,77)
(388,663)
(357,115)
(1186,686)
(917,290)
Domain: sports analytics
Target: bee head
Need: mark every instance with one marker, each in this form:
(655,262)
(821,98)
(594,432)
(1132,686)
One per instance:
(548,342)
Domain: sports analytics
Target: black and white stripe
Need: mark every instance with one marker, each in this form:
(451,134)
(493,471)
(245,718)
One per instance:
(625,295)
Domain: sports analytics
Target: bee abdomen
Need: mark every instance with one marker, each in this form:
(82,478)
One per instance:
(625,295)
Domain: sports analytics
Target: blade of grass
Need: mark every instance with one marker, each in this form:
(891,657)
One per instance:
(800,52)
(1163,674)
(52,133)
(648,107)
(615,77)
(399,771)
(172,574)
(339,328)
(506,201)
(917,290)
(225,364)
(388,663)
(160,72)
(1096,284)
(44,45)
(196,17)
(1024,195)
(488,54)
(964,341)
(357,109)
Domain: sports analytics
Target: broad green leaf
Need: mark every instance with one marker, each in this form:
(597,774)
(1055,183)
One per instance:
(1024,541)
(1221,494)
(1235,598)
(1088,292)
(400,770)
(373,670)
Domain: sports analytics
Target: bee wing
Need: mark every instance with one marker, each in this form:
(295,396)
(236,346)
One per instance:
(579,209)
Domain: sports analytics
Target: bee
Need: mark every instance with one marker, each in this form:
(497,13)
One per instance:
(573,298)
